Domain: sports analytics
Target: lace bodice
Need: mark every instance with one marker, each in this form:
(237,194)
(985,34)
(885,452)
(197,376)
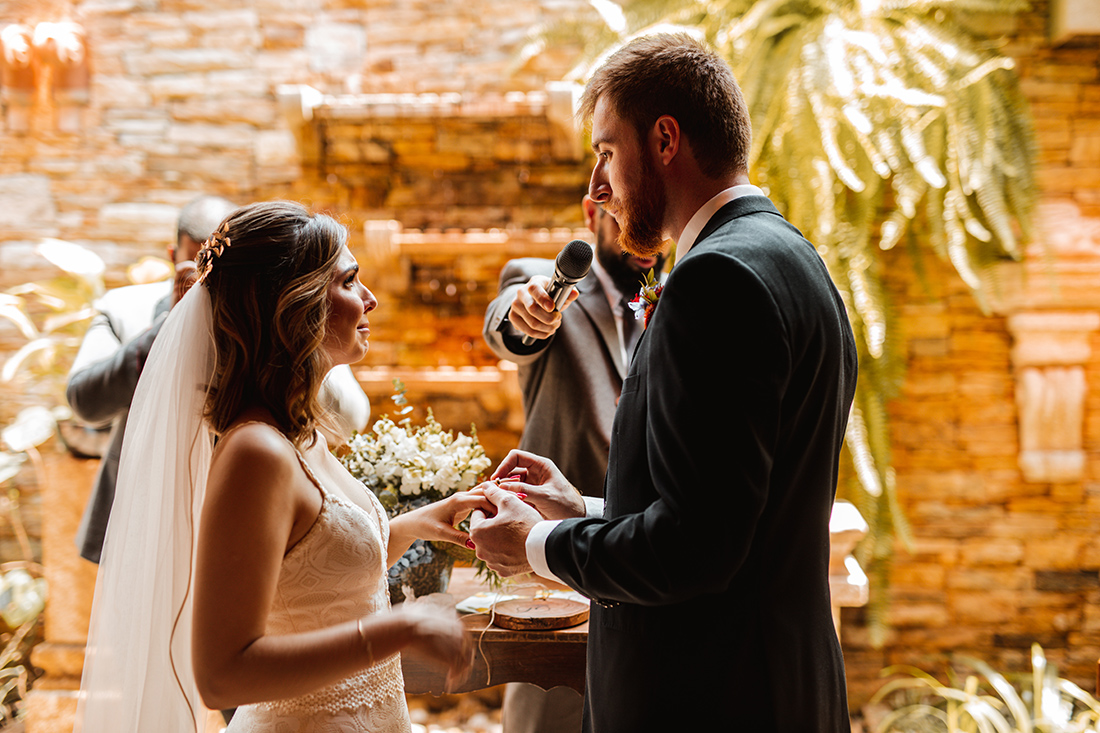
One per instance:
(334,574)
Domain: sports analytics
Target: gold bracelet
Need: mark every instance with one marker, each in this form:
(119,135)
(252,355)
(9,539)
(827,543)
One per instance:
(370,650)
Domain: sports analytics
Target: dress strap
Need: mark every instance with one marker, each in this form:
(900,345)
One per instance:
(309,471)
(301,459)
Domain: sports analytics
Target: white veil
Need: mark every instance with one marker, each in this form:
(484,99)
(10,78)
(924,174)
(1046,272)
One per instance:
(142,606)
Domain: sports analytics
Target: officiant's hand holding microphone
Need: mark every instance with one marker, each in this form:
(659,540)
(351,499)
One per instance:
(525,489)
(537,306)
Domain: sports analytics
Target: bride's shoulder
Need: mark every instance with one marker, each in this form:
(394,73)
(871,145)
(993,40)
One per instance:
(256,446)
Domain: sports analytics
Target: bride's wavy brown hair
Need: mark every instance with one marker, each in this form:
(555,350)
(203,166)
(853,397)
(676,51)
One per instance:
(269,298)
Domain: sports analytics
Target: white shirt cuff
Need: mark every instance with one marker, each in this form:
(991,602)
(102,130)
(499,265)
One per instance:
(593,507)
(536,548)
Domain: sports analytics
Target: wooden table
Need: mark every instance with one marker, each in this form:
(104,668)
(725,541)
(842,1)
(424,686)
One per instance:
(556,658)
(544,658)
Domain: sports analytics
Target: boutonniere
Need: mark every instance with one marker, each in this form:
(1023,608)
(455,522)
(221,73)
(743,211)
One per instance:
(645,302)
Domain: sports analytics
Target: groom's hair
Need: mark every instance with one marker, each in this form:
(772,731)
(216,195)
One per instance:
(268,286)
(674,74)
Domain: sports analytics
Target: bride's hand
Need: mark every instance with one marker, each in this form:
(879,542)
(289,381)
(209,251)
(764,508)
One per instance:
(438,520)
(438,633)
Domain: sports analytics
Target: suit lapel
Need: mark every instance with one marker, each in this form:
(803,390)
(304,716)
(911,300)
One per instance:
(593,302)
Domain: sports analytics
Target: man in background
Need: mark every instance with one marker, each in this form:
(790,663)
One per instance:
(105,372)
(570,377)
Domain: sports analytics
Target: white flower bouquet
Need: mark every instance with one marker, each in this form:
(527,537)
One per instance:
(408,467)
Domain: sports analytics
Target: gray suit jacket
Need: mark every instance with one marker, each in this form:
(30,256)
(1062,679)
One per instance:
(570,381)
(105,373)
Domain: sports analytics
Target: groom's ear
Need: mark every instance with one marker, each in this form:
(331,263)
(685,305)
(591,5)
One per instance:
(665,138)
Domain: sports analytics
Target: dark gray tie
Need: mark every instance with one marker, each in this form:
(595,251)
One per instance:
(632,329)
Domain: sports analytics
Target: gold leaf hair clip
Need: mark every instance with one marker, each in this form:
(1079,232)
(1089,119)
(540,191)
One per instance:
(211,250)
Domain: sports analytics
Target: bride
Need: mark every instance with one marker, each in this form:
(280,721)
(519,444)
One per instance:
(252,575)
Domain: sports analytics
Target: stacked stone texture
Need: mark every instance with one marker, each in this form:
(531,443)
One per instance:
(183,102)
(448,164)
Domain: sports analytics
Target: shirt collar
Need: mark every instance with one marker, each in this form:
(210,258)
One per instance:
(702,216)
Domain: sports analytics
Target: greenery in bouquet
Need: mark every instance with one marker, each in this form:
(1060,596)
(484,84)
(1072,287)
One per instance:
(409,466)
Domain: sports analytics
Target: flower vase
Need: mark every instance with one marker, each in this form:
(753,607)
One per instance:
(424,569)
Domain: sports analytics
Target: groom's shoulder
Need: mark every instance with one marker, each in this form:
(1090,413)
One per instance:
(744,216)
(759,232)
(763,242)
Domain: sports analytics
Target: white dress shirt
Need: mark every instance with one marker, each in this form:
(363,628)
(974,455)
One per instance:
(535,546)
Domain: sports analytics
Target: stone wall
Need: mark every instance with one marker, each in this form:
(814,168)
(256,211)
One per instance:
(184,101)
(441,161)
(422,120)
(1063,85)
(997,561)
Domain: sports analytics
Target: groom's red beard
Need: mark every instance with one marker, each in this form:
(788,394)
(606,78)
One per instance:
(641,217)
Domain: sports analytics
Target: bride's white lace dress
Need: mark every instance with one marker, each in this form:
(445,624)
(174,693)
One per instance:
(335,574)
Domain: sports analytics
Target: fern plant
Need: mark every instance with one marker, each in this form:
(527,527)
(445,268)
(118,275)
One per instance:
(987,701)
(875,123)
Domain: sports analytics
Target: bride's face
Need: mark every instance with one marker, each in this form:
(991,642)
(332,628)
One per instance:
(348,329)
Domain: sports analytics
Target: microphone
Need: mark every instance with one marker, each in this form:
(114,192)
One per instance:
(570,267)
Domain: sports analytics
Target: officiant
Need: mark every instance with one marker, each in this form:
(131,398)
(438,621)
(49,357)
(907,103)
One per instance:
(570,377)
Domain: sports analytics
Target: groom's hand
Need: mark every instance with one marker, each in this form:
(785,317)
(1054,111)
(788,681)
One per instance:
(541,484)
(500,539)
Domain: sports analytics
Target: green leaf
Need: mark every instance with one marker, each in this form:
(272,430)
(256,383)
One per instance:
(10,464)
(72,258)
(32,426)
(16,360)
(12,308)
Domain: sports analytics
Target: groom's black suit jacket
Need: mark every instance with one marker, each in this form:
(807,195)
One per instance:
(709,570)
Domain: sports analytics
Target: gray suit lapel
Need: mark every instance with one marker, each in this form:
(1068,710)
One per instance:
(592,300)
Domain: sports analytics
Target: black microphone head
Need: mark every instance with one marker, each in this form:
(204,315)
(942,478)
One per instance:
(575,259)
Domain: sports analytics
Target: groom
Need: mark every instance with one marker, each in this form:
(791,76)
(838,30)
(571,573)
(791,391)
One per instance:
(708,568)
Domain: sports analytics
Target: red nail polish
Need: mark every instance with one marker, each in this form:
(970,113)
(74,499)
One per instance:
(521,495)
(470,544)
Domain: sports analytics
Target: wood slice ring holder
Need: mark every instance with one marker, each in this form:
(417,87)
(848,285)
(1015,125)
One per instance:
(534,614)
